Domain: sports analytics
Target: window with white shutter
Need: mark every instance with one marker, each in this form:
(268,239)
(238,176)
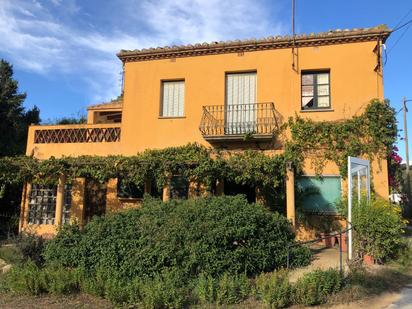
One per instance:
(173,98)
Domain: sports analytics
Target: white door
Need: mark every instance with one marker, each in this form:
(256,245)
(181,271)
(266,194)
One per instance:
(240,103)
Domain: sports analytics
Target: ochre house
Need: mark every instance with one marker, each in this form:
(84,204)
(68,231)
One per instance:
(213,94)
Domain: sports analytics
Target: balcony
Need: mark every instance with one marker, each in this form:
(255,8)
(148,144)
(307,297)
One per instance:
(85,133)
(239,122)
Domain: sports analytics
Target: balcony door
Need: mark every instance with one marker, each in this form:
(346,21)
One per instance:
(240,111)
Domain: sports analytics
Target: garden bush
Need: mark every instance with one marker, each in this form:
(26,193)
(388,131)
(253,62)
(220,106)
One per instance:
(205,235)
(65,246)
(95,284)
(205,289)
(227,289)
(31,248)
(274,289)
(59,280)
(232,289)
(315,287)
(165,290)
(378,229)
(28,278)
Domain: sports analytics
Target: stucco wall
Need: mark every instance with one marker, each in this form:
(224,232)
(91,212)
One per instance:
(353,84)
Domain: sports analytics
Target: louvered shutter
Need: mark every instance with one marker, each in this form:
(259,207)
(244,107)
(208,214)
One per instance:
(173,99)
(240,103)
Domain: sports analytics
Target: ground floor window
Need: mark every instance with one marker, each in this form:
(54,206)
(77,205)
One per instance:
(42,204)
(94,199)
(179,187)
(67,204)
(232,188)
(128,189)
(319,194)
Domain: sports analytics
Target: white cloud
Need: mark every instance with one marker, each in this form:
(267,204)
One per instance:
(37,40)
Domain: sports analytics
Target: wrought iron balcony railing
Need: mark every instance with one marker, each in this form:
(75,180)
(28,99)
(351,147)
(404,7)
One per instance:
(259,120)
(77,134)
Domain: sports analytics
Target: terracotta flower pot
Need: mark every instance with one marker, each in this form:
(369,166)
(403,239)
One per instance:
(330,241)
(368,260)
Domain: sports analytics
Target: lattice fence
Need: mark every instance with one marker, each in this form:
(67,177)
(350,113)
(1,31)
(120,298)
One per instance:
(77,135)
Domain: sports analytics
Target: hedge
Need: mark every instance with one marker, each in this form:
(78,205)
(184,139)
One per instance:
(211,236)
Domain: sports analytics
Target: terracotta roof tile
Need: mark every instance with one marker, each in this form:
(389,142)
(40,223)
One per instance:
(118,103)
(272,42)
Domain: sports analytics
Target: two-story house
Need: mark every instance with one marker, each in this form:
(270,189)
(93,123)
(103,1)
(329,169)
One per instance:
(214,94)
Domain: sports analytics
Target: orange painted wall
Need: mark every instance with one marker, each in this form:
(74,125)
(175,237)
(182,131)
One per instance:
(353,84)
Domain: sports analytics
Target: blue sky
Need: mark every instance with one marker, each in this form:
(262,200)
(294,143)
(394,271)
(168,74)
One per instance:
(64,51)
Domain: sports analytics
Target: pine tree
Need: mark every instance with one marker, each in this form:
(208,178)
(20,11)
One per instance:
(14,119)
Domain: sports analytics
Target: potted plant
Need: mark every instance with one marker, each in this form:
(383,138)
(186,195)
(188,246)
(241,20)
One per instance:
(368,260)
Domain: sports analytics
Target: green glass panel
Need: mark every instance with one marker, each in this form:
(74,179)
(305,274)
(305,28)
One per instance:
(319,195)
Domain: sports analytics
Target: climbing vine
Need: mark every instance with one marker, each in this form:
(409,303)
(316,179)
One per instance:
(193,161)
(371,134)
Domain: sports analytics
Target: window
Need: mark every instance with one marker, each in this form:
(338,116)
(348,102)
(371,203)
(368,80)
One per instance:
(67,204)
(179,187)
(232,188)
(94,199)
(42,204)
(128,189)
(319,195)
(173,97)
(241,111)
(315,90)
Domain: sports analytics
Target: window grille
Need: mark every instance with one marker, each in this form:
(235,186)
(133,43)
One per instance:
(67,204)
(42,204)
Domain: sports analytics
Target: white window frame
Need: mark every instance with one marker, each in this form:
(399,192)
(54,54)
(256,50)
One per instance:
(175,105)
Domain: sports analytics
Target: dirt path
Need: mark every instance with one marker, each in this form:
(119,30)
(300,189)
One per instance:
(404,300)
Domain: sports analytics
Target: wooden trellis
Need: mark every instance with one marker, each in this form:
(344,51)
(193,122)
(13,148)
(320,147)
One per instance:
(77,135)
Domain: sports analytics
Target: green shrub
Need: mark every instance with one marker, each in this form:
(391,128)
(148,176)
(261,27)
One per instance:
(204,235)
(274,289)
(134,290)
(64,248)
(228,289)
(28,278)
(59,280)
(315,287)
(25,279)
(232,289)
(118,291)
(164,291)
(94,284)
(378,229)
(31,247)
(206,288)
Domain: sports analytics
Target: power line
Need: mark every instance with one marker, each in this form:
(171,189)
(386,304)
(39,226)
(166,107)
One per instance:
(399,22)
(401,36)
(397,27)
(401,26)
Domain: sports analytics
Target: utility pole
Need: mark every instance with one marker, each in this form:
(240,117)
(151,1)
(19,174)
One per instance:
(293,36)
(405,128)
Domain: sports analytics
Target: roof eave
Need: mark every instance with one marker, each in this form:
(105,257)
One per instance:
(254,45)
